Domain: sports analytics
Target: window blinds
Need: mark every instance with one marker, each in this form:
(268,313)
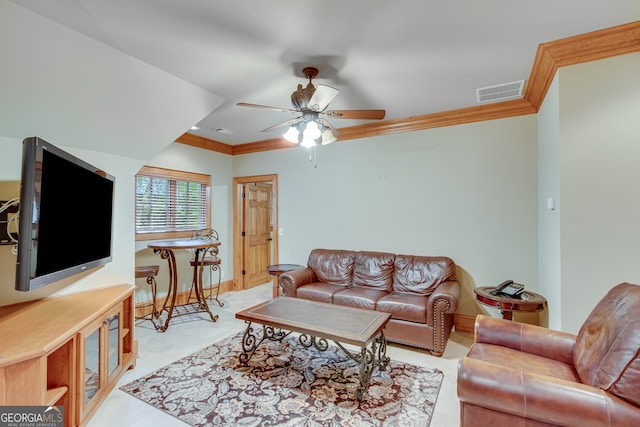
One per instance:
(165,205)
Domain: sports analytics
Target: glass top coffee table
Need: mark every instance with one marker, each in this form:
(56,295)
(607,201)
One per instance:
(318,322)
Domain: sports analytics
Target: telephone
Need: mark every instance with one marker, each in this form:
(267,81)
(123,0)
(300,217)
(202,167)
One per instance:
(509,287)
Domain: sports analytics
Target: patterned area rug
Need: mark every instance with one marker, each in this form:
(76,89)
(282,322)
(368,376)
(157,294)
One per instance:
(286,384)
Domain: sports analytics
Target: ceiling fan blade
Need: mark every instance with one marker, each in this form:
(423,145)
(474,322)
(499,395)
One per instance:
(266,107)
(321,98)
(283,124)
(356,114)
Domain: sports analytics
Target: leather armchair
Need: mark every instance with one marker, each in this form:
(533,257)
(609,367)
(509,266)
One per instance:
(524,375)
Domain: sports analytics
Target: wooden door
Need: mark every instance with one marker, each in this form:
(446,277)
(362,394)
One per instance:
(256,234)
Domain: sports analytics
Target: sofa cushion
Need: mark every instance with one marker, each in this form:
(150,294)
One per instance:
(607,350)
(332,266)
(403,306)
(318,291)
(420,275)
(358,297)
(373,270)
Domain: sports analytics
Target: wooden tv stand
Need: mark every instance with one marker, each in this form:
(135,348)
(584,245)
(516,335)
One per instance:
(68,350)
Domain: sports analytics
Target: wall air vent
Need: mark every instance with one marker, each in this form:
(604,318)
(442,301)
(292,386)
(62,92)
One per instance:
(500,92)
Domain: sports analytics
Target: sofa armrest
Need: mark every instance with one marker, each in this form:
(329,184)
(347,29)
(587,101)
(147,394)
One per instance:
(543,398)
(527,338)
(291,280)
(447,292)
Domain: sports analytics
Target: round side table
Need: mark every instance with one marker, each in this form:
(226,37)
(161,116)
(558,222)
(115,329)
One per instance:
(276,270)
(528,301)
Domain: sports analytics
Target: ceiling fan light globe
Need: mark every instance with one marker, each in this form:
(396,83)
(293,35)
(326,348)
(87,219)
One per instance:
(308,142)
(312,131)
(291,134)
(328,137)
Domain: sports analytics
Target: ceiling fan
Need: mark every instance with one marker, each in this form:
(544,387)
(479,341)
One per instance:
(310,128)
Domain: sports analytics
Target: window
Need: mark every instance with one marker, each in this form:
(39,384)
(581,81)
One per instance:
(170,203)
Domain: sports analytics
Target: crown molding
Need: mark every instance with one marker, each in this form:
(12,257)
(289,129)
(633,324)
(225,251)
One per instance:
(206,143)
(550,56)
(578,49)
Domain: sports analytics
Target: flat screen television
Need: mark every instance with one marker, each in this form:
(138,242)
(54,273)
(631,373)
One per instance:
(66,211)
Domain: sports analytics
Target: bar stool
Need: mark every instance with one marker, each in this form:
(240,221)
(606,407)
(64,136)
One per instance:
(149,272)
(210,260)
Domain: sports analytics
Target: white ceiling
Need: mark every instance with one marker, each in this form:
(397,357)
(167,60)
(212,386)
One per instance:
(409,57)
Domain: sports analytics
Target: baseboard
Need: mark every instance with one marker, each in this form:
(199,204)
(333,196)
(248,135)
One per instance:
(464,322)
(461,322)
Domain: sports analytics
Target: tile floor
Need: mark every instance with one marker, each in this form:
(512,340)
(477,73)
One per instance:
(188,334)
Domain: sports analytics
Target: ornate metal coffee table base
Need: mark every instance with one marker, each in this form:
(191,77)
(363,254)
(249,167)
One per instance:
(372,355)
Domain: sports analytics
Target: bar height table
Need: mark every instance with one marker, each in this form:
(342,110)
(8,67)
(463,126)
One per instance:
(165,249)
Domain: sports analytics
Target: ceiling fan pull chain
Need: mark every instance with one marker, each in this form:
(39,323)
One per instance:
(313,156)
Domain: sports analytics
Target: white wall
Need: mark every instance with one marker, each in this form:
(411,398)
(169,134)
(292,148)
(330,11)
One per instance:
(468,192)
(549,262)
(599,181)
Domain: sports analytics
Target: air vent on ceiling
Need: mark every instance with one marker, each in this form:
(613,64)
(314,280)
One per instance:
(224,131)
(500,92)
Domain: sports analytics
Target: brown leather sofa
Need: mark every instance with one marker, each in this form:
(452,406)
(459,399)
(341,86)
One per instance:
(523,375)
(420,292)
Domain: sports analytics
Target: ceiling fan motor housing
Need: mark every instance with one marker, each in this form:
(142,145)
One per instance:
(301,96)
